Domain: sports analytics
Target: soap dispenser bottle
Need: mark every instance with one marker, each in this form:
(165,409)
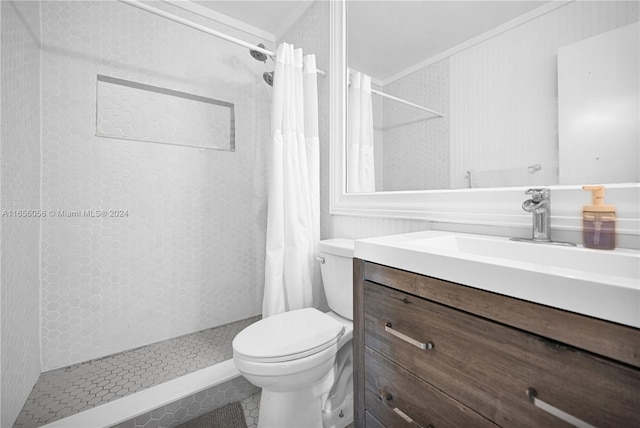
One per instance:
(598,221)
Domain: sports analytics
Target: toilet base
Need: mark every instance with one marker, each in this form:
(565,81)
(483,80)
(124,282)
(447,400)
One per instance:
(275,410)
(337,409)
(328,404)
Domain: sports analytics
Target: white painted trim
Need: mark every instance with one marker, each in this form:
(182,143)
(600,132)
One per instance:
(509,25)
(142,402)
(491,207)
(221,18)
(338,101)
(41,184)
(286,24)
(377,81)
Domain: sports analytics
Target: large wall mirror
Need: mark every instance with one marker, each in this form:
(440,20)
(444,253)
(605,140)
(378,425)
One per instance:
(491,94)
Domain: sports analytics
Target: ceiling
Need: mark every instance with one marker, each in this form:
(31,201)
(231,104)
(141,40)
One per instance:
(274,17)
(387,37)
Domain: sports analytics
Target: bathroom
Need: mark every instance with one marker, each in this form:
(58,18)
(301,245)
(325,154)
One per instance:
(183,247)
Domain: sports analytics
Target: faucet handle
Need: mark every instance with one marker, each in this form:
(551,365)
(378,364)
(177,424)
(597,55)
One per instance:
(538,194)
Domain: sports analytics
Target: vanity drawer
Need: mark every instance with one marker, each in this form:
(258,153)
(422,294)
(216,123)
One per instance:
(395,397)
(490,367)
(371,422)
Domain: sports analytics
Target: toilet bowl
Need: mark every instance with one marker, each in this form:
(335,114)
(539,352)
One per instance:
(302,359)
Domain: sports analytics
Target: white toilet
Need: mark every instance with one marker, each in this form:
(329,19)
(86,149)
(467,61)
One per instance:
(303,359)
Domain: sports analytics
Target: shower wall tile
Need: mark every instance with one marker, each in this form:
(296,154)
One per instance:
(416,143)
(129,110)
(20,190)
(183,249)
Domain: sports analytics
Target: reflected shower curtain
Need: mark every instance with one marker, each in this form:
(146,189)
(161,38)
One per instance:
(293,219)
(360,159)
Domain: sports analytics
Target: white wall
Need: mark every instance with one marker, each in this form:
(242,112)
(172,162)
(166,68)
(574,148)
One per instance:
(599,107)
(504,91)
(190,254)
(366,227)
(20,189)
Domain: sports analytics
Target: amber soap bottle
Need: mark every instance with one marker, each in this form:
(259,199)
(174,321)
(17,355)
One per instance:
(598,221)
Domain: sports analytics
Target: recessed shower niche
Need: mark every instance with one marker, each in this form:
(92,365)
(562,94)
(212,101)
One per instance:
(136,111)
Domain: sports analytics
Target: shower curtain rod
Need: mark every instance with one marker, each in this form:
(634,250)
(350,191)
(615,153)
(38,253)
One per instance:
(391,97)
(172,17)
(400,100)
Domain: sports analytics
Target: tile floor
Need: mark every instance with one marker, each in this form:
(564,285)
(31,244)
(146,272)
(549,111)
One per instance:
(69,390)
(251,408)
(173,415)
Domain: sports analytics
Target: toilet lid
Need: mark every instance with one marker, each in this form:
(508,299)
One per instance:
(287,336)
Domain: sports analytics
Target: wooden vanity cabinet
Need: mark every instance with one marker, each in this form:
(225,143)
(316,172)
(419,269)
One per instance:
(430,353)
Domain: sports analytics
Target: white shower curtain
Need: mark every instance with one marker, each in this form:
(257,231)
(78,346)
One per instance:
(293,219)
(360,157)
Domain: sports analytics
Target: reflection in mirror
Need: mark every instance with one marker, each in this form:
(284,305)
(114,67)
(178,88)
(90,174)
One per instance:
(470,94)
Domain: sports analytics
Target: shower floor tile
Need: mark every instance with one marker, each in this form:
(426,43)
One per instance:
(70,390)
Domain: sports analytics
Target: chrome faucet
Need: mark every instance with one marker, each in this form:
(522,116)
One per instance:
(540,206)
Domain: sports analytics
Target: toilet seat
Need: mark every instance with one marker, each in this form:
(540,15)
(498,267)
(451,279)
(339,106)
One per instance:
(288,336)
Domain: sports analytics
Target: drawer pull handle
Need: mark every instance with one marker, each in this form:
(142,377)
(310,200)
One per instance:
(408,418)
(533,396)
(388,328)
(387,397)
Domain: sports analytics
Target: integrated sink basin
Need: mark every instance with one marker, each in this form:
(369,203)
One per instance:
(601,284)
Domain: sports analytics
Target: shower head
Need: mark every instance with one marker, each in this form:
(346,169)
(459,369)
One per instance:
(259,55)
(268,77)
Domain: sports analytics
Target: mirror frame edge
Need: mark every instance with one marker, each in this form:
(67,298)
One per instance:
(337,104)
(488,207)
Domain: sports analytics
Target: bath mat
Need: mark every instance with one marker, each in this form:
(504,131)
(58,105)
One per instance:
(229,416)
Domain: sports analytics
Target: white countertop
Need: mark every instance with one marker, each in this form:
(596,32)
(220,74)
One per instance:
(597,283)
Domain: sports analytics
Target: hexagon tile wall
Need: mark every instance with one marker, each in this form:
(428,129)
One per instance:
(20,190)
(184,248)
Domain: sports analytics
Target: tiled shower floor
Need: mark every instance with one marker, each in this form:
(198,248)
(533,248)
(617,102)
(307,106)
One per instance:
(70,390)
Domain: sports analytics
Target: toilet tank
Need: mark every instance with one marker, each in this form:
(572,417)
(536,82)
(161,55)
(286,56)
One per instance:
(337,274)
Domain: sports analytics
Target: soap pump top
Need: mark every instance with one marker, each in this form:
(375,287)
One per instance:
(597,201)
